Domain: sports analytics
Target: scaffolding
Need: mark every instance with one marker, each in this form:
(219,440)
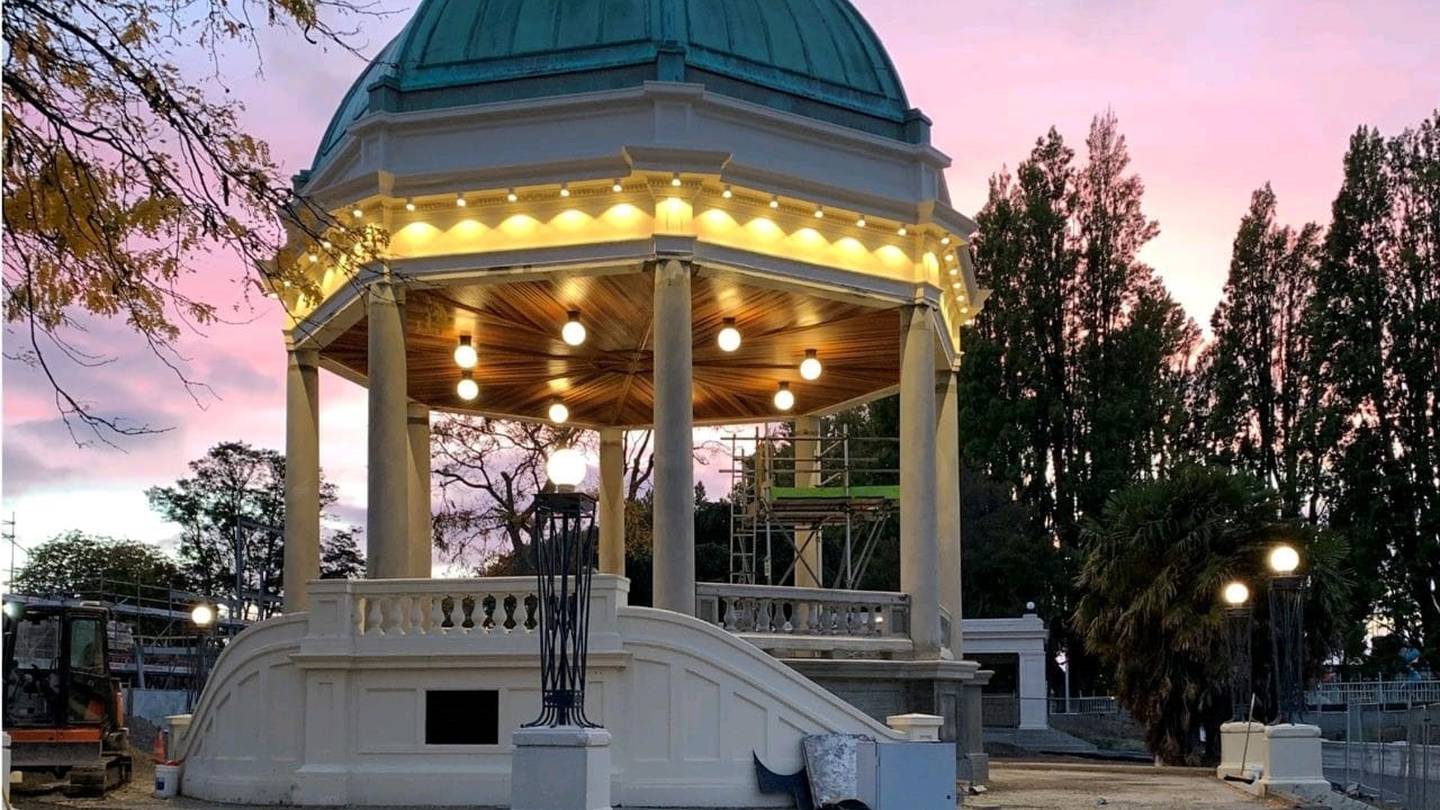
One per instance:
(796,489)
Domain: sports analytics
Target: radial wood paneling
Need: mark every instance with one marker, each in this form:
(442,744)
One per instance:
(524,364)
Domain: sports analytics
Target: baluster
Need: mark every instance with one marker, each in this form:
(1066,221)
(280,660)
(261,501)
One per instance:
(417,615)
(509,624)
(397,614)
(375,618)
(487,613)
(532,612)
(361,605)
(814,617)
(727,613)
(788,625)
(439,622)
(467,606)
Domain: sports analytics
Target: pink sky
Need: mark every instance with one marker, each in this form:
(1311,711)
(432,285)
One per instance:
(1215,99)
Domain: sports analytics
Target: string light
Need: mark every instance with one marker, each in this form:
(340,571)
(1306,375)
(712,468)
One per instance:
(860,223)
(357,212)
(465,354)
(774,201)
(810,367)
(728,192)
(573,332)
(675,180)
(819,212)
(618,187)
(467,389)
(326,244)
(903,231)
(564,189)
(409,203)
(729,337)
(784,397)
(945,240)
(512,196)
(314,258)
(459,199)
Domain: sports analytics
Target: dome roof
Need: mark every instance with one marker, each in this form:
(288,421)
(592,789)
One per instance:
(817,58)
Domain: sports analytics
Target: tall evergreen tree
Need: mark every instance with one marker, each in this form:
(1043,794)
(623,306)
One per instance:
(1258,370)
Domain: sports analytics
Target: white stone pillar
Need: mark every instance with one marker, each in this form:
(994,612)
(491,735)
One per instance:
(947,500)
(1033,695)
(418,435)
(387,512)
(612,501)
(674,489)
(809,570)
(919,546)
(302,477)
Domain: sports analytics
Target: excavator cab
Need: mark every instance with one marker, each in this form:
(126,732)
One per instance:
(62,707)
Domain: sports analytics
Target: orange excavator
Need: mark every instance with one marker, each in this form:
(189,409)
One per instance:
(63,710)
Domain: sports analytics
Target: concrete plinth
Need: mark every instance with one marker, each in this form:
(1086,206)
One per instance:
(1242,750)
(564,768)
(1293,761)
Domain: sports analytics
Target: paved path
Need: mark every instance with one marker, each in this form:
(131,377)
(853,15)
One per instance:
(1074,787)
(1013,787)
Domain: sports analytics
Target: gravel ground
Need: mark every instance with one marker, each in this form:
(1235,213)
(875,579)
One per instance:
(1012,787)
(1059,785)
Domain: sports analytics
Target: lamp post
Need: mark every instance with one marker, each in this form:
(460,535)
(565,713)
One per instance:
(563,544)
(1239,625)
(1287,631)
(203,617)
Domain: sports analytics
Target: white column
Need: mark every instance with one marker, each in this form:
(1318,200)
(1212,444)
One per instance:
(674,489)
(809,570)
(612,501)
(1034,705)
(387,512)
(302,477)
(418,435)
(947,500)
(919,546)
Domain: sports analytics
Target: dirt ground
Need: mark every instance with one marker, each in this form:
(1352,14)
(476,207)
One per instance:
(1024,786)
(1012,787)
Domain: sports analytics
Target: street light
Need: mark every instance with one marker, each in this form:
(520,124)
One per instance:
(1239,621)
(203,617)
(563,544)
(1287,631)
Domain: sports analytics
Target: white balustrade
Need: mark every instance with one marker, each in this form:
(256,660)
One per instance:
(808,618)
(420,615)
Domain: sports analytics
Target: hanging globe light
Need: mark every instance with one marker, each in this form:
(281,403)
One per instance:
(558,413)
(810,367)
(573,332)
(465,354)
(784,397)
(729,337)
(467,389)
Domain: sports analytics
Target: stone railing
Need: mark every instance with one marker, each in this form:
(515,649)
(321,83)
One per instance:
(493,614)
(808,619)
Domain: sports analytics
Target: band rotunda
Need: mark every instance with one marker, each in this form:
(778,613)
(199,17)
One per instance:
(619,215)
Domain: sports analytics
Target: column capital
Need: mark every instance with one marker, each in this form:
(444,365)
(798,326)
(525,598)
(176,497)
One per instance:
(417,412)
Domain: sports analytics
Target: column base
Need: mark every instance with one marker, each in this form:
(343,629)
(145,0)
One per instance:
(562,768)
(1242,751)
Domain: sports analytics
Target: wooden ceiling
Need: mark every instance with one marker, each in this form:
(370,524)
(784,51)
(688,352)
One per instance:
(524,364)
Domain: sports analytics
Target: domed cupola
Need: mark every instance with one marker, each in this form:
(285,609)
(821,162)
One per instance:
(815,58)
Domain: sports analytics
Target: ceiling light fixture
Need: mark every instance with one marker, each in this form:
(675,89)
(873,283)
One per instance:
(467,389)
(573,332)
(729,337)
(465,354)
(810,367)
(784,397)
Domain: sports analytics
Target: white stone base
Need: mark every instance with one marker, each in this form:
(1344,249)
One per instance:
(1293,761)
(563,768)
(1242,751)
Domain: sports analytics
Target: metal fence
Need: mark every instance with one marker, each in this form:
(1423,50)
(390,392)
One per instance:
(1388,693)
(1084,705)
(1390,757)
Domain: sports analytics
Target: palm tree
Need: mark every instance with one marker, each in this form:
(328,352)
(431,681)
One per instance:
(1154,563)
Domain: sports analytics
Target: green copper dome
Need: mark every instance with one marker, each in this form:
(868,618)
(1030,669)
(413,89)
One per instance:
(817,58)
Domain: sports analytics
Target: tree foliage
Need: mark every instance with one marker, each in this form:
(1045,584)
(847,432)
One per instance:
(1155,561)
(126,173)
(76,562)
(234,497)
